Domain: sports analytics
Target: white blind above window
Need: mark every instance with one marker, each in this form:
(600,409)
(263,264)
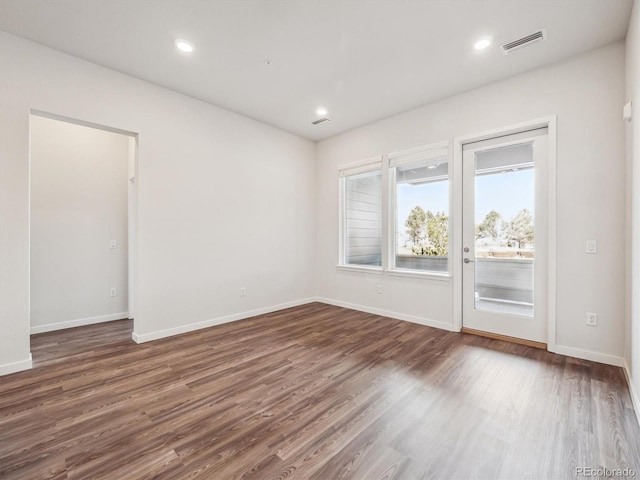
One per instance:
(435,154)
(362,166)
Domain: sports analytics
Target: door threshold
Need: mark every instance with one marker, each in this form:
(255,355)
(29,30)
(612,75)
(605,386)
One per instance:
(506,338)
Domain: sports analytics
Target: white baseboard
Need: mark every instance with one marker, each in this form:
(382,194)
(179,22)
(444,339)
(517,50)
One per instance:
(560,349)
(14,367)
(588,355)
(169,332)
(50,327)
(635,398)
(386,313)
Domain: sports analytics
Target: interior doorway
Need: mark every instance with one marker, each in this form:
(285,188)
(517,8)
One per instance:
(82,223)
(505,235)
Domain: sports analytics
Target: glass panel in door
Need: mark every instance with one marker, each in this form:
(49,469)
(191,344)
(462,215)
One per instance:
(504,229)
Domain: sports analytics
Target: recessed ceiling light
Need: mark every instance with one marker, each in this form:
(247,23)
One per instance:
(184,46)
(482,44)
(321,111)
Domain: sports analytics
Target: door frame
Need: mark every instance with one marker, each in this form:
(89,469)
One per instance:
(456,183)
(132,205)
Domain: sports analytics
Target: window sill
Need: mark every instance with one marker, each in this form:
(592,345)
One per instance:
(360,268)
(442,277)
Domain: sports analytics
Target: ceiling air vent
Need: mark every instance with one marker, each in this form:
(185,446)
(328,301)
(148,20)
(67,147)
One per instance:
(536,37)
(320,120)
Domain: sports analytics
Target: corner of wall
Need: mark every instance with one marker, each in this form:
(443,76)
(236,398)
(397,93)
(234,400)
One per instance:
(632,154)
(316,202)
(15,367)
(633,392)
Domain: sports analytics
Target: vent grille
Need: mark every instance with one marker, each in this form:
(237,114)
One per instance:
(536,37)
(320,120)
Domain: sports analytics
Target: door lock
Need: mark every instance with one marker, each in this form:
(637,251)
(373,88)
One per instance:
(466,249)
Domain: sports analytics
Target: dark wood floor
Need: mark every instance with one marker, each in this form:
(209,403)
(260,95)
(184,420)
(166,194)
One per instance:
(313,392)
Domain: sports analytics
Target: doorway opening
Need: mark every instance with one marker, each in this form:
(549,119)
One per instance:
(83,223)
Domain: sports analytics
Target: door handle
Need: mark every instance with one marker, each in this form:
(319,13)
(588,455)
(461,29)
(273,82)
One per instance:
(467,260)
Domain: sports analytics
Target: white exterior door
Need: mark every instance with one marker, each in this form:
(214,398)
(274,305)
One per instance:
(505,235)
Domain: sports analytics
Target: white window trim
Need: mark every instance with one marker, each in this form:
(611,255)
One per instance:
(361,268)
(423,274)
(404,157)
(362,166)
(386,164)
(425,152)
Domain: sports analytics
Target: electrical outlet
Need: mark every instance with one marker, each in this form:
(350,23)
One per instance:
(114,292)
(114,244)
(379,288)
(592,319)
(243,292)
(592,246)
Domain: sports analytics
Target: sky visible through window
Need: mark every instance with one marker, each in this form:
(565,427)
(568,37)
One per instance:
(506,193)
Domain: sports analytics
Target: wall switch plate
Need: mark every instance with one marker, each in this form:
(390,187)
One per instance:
(379,288)
(243,292)
(114,292)
(114,244)
(592,246)
(592,319)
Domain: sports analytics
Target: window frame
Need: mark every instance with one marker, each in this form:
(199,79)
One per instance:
(368,165)
(388,174)
(406,157)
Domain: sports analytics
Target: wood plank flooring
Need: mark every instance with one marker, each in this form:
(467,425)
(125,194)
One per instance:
(313,392)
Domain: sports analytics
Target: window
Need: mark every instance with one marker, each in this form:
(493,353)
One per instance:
(420,193)
(362,214)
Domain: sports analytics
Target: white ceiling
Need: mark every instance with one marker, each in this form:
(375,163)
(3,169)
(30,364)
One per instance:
(361,59)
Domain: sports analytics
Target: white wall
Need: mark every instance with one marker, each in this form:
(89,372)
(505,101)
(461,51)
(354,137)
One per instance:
(632,354)
(223,201)
(586,94)
(78,205)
